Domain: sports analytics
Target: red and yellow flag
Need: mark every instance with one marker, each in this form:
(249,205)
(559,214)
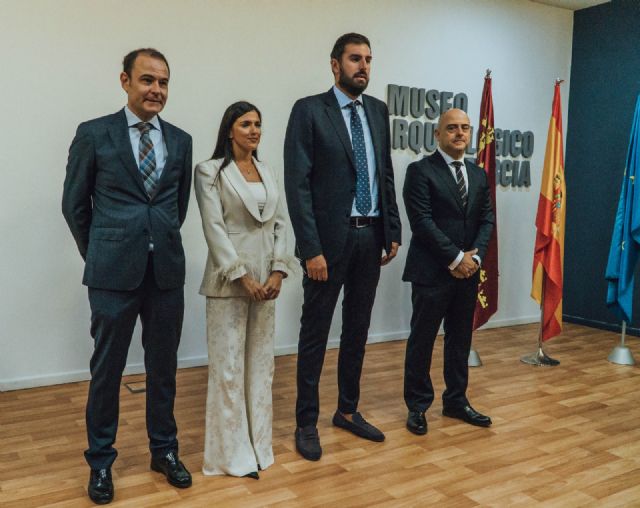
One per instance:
(487,302)
(550,223)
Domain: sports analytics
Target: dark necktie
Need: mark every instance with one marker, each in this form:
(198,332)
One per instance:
(363,191)
(147,157)
(462,188)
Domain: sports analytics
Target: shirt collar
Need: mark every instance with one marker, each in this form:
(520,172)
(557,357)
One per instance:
(343,98)
(132,119)
(448,159)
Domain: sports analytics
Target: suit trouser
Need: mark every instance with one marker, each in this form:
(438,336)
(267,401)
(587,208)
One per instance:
(113,318)
(455,303)
(239,404)
(358,270)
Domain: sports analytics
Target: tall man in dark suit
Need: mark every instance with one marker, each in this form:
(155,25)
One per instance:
(342,203)
(449,209)
(125,198)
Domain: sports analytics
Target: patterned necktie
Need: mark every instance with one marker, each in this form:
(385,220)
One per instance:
(462,188)
(363,191)
(147,157)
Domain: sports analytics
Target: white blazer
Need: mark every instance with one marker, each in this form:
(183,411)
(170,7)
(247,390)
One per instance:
(241,240)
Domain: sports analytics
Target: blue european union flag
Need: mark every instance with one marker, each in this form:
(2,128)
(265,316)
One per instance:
(625,242)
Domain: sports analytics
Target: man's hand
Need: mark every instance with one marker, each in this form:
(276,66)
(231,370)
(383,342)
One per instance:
(468,266)
(317,268)
(392,254)
(273,284)
(254,289)
(457,273)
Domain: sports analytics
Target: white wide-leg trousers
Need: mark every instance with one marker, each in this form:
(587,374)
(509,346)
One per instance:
(239,404)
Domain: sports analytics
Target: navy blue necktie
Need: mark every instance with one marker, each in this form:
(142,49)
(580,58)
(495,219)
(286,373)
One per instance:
(363,191)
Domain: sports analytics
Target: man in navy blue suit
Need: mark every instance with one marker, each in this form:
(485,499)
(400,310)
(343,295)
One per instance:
(125,198)
(342,203)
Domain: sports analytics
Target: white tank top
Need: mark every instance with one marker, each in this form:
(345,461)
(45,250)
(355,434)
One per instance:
(259,193)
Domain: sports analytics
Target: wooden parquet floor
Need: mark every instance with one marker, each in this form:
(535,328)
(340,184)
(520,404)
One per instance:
(561,436)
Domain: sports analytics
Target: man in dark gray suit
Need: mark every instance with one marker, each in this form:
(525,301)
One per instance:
(125,198)
(342,203)
(449,208)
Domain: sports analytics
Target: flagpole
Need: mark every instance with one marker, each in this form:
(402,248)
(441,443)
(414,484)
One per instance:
(540,358)
(621,354)
(474,358)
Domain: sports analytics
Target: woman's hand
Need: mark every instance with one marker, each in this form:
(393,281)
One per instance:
(273,284)
(254,289)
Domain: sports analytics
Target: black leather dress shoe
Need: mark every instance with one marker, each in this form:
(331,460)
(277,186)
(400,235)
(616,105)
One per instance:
(467,414)
(252,474)
(308,442)
(358,426)
(417,423)
(100,486)
(171,466)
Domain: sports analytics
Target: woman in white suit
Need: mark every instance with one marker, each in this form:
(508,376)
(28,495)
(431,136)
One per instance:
(244,226)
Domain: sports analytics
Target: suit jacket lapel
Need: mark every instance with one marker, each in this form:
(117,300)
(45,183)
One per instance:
(171,142)
(270,188)
(446,177)
(237,181)
(119,132)
(336,118)
(375,135)
(473,186)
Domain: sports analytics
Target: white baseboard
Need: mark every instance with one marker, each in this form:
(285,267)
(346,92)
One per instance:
(197,361)
(334,342)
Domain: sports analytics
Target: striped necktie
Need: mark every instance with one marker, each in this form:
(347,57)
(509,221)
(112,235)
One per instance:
(363,191)
(462,187)
(146,157)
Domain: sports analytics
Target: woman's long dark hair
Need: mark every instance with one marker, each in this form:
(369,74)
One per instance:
(224,147)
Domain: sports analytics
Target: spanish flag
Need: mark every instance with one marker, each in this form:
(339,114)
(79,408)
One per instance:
(550,224)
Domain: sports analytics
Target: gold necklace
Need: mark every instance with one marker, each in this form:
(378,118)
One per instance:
(248,170)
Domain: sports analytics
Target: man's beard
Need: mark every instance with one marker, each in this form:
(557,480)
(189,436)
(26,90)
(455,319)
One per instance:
(350,85)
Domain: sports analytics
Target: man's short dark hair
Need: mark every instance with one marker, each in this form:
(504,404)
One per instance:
(130,58)
(343,40)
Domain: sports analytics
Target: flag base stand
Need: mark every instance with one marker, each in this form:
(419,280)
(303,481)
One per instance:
(539,358)
(474,359)
(621,355)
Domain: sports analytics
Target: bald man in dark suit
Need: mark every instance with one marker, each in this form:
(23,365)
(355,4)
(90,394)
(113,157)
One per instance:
(449,208)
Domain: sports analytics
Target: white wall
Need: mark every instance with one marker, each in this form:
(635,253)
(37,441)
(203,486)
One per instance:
(61,62)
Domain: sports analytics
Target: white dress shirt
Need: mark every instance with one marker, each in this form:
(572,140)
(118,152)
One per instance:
(450,160)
